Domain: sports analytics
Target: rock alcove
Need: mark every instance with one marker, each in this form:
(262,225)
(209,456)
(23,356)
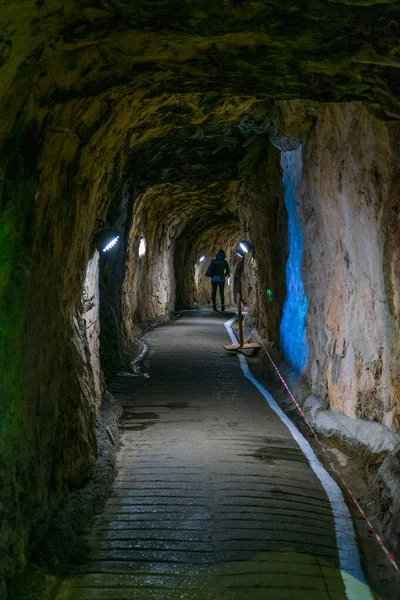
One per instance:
(191,125)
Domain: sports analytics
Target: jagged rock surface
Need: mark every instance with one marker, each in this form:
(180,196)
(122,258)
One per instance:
(351,219)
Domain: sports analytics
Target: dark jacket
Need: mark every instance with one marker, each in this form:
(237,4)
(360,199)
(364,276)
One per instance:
(219,268)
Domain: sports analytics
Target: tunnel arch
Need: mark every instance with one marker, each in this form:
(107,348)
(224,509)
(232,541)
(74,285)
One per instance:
(192,290)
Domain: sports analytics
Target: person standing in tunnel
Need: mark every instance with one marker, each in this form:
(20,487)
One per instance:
(218,269)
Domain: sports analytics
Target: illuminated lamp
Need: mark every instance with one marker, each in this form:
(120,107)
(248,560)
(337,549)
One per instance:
(240,253)
(202,258)
(246,246)
(106,238)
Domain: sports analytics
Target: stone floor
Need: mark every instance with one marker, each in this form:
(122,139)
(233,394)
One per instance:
(214,499)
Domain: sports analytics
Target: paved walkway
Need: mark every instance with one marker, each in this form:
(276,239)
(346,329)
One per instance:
(214,499)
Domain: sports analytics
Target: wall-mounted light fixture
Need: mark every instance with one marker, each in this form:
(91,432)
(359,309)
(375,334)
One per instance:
(202,259)
(246,246)
(111,244)
(106,237)
(240,253)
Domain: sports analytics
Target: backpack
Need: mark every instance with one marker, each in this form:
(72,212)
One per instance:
(211,270)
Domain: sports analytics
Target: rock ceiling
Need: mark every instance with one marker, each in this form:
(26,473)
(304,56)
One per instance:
(329,51)
(189,82)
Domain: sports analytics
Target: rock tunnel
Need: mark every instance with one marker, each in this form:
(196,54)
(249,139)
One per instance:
(186,127)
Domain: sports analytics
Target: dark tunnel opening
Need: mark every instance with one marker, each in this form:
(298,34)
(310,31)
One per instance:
(183,220)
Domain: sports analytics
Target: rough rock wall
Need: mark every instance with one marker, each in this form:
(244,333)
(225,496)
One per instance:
(149,284)
(91,315)
(55,187)
(293,338)
(263,219)
(349,196)
(112,336)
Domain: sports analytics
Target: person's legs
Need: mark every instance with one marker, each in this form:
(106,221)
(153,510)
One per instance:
(221,293)
(214,285)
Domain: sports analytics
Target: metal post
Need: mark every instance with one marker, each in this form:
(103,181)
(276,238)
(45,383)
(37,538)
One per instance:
(241,345)
(240,320)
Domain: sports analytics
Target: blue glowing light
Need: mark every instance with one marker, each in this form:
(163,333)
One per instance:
(293,339)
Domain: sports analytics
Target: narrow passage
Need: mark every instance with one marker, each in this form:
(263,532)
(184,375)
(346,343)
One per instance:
(214,499)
